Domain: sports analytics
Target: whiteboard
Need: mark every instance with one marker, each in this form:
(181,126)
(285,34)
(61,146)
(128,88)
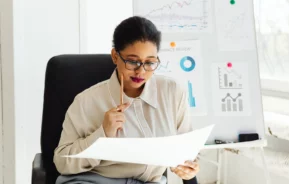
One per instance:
(210,46)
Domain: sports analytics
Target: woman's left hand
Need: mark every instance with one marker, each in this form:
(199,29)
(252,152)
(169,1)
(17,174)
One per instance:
(187,171)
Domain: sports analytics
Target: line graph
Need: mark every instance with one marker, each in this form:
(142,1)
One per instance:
(231,104)
(228,96)
(236,23)
(171,6)
(182,26)
(232,71)
(181,15)
(164,67)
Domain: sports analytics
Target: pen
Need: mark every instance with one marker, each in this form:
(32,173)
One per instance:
(121,97)
(121,89)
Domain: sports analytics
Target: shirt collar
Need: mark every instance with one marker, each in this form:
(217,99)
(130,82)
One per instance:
(149,93)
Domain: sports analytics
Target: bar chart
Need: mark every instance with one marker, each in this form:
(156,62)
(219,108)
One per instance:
(192,101)
(229,79)
(230,103)
(230,82)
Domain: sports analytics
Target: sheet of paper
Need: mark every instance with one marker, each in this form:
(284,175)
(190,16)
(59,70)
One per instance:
(161,151)
(235,26)
(171,16)
(231,89)
(183,61)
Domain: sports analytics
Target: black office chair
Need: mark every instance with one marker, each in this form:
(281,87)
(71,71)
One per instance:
(66,76)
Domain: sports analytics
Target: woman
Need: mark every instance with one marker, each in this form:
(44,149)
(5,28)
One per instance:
(154,106)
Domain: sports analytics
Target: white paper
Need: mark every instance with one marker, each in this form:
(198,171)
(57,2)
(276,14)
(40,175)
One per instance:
(176,16)
(231,92)
(161,151)
(235,25)
(183,61)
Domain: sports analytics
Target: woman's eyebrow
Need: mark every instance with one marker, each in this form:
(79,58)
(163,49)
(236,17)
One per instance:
(133,55)
(152,57)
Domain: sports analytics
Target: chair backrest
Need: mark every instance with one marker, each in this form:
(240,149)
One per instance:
(66,76)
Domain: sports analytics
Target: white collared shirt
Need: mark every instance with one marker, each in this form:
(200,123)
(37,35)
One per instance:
(161,110)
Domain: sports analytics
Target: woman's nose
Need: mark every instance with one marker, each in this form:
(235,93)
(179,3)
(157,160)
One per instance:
(140,69)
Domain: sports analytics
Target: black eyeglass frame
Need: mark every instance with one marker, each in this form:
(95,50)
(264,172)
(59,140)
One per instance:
(138,63)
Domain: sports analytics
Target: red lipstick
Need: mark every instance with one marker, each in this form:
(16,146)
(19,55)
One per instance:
(137,79)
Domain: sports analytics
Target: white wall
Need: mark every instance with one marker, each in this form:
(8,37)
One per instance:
(42,29)
(99,19)
(7,77)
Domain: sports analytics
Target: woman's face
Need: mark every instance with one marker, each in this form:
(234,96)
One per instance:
(145,52)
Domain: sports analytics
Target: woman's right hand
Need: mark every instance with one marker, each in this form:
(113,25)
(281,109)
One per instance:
(114,120)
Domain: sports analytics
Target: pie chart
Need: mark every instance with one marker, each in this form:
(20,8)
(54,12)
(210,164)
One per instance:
(187,63)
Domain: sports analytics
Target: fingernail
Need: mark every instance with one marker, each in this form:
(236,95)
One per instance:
(188,162)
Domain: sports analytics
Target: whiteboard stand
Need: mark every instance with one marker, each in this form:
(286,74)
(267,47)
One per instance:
(219,164)
(223,157)
(266,171)
(225,166)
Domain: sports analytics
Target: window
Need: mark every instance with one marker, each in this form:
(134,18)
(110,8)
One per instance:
(272,29)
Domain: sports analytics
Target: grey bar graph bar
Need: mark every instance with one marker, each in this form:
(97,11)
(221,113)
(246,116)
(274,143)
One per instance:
(226,80)
(240,105)
(223,107)
(229,105)
(231,84)
(234,107)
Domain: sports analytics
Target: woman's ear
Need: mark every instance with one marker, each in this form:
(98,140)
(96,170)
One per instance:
(114,55)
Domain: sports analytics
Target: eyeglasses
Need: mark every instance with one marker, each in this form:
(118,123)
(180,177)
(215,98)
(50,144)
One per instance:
(135,65)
